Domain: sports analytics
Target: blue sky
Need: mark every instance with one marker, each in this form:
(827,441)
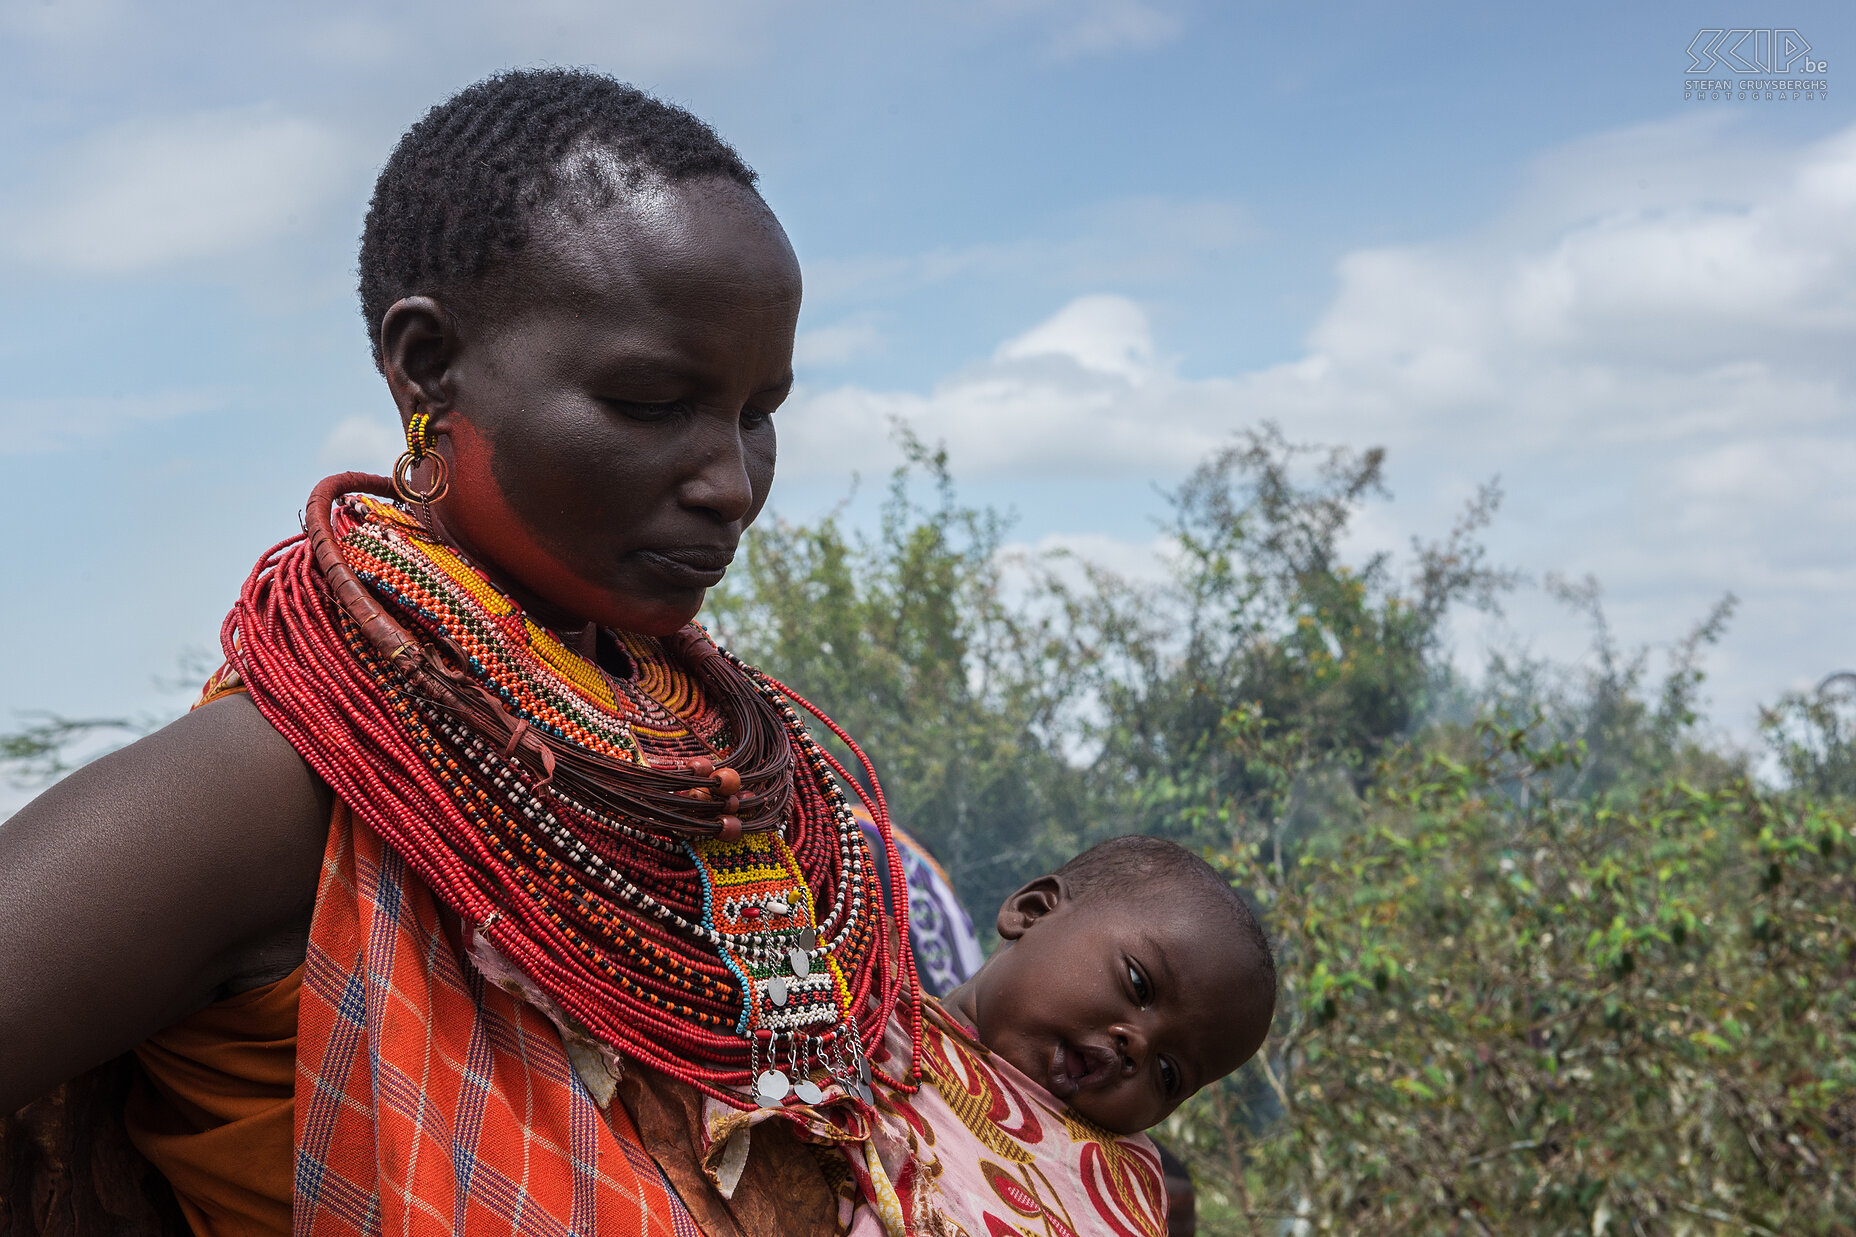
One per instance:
(1082,241)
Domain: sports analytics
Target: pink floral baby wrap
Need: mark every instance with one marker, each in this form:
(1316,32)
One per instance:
(979,1151)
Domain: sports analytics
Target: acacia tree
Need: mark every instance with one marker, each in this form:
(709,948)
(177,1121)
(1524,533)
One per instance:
(1813,737)
(1263,618)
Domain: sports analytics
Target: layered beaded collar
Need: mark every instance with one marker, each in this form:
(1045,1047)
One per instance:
(669,856)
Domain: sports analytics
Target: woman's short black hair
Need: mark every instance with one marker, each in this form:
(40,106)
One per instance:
(463,186)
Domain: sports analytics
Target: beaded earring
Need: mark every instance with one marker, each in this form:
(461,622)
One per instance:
(419,450)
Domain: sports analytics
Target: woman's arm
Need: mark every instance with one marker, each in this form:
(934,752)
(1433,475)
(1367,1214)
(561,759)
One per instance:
(149,883)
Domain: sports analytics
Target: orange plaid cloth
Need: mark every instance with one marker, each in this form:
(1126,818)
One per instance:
(431,1101)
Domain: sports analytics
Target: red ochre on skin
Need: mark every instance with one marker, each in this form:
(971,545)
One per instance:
(610,431)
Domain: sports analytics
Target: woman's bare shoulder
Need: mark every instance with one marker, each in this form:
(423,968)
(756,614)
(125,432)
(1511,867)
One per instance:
(149,883)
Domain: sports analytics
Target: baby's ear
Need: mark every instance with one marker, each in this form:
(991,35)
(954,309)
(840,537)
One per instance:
(1027,906)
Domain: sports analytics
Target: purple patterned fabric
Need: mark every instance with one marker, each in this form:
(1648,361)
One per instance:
(940,931)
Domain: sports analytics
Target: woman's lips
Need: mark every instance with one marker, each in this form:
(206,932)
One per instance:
(692,566)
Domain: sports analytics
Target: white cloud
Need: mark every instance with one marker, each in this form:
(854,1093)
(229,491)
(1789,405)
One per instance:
(179,189)
(436,45)
(351,39)
(1657,363)
(1660,324)
(1661,328)
(363,444)
(1107,26)
(1081,394)
(62,21)
(1101,334)
(30,426)
(627,37)
(1142,561)
(1070,29)
(1126,242)
(840,343)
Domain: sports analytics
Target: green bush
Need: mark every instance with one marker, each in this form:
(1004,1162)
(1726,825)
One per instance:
(1504,1011)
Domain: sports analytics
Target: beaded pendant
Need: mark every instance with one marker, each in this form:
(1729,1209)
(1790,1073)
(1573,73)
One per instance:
(794,994)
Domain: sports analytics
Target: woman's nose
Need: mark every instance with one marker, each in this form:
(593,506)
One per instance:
(718,481)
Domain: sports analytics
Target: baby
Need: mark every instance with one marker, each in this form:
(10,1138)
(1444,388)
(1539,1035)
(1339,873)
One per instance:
(1128,979)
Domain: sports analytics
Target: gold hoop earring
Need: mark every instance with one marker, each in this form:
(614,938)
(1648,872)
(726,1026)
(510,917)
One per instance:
(419,450)
(402,479)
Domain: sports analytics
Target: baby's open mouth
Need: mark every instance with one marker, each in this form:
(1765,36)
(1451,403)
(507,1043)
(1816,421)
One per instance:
(1074,1067)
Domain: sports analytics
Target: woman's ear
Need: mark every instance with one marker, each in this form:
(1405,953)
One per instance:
(418,344)
(1028,905)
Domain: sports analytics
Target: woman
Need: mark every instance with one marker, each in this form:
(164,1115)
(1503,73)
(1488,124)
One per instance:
(482,892)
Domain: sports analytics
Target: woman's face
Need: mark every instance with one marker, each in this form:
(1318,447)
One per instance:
(609,424)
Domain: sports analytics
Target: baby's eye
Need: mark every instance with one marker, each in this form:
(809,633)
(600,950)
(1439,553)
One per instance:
(1143,994)
(1169,1077)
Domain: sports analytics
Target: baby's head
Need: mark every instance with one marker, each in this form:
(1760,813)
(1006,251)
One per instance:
(1128,979)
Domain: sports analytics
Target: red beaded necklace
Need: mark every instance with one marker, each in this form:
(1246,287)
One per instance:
(670,858)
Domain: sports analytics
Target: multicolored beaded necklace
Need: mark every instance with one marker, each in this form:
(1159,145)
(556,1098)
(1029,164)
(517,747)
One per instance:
(667,854)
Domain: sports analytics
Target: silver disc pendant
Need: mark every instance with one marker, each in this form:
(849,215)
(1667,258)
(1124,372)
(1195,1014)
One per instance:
(808,938)
(776,990)
(808,1092)
(772,1087)
(864,1093)
(801,962)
